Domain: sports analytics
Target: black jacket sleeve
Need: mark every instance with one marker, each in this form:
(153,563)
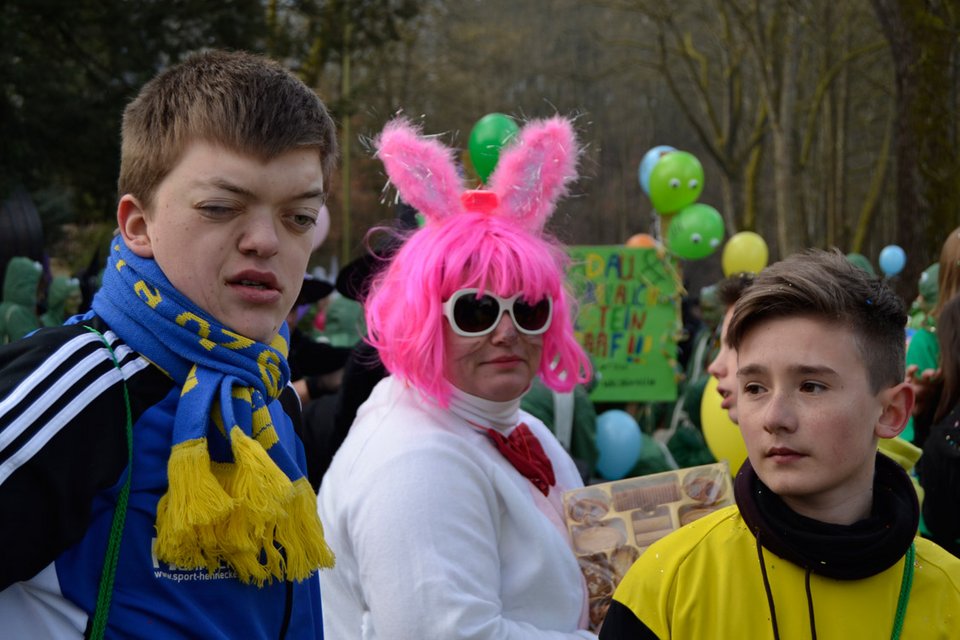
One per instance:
(62,440)
(621,624)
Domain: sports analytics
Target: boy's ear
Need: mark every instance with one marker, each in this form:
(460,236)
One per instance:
(132,220)
(897,408)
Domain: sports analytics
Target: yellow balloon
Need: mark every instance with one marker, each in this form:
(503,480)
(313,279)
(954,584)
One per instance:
(722,435)
(745,252)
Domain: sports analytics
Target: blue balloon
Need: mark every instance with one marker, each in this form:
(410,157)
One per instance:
(649,161)
(618,442)
(892,260)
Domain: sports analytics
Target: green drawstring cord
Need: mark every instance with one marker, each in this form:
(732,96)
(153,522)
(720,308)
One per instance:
(105,592)
(905,585)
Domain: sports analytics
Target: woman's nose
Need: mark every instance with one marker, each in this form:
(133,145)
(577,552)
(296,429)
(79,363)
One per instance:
(505,331)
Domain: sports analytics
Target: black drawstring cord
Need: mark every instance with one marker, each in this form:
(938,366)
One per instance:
(813,624)
(772,607)
(766,586)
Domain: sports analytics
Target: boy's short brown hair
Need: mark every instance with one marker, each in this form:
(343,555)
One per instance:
(825,285)
(732,287)
(243,101)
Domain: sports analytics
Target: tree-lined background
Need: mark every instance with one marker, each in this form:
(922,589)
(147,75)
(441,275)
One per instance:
(818,122)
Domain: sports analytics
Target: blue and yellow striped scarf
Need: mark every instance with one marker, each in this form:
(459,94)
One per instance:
(234,493)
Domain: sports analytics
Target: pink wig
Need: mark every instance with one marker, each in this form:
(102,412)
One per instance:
(492,241)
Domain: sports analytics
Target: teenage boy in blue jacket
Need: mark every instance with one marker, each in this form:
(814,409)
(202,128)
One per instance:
(151,481)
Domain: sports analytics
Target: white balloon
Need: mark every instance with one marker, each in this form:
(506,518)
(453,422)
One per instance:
(322,228)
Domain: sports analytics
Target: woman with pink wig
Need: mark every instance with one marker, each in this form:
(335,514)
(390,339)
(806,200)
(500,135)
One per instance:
(443,505)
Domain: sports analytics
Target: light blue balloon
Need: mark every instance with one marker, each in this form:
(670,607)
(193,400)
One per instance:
(618,442)
(649,161)
(892,260)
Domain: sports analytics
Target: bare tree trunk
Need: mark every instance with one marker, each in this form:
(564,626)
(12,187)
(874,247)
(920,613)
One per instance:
(790,237)
(751,182)
(924,47)
(730,210)
(772,30)
(872,200)
(838,233)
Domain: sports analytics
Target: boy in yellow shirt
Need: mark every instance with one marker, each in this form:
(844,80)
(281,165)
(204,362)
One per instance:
(822,540)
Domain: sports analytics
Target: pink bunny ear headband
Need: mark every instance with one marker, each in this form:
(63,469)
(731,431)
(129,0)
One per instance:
(490,239)
(532,174)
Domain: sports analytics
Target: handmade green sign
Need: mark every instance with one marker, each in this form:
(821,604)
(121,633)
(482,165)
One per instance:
(629,320)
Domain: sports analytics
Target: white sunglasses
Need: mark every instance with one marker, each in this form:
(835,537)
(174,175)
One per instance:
(473,315)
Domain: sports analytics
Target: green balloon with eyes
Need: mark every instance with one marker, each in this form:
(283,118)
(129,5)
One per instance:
(676,181)
(695,232)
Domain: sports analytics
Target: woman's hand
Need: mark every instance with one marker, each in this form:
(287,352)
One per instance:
(925,386)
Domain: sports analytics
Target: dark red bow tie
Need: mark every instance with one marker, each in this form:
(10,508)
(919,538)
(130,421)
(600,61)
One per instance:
(525,453)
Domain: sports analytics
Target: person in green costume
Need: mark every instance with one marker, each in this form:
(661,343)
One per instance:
(18,311)
(63,300)
(927,292)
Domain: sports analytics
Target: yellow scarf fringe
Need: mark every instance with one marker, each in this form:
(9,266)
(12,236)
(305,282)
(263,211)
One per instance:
(247,513)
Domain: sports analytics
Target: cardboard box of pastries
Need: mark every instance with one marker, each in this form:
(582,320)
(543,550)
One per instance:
(612,523)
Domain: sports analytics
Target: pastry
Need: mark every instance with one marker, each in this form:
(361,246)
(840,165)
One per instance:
(621,559)
(654,523)
(706,487)
(598,611)
(587,509)
(645,497)
(597,538)
(599,559)
(694,513)
(645,539)
(599,578)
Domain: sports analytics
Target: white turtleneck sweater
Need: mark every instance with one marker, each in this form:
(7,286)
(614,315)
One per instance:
(437,536)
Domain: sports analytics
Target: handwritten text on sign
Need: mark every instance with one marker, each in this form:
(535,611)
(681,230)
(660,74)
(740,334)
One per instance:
(628,320)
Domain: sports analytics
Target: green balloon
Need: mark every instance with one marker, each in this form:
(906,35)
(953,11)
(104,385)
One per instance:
(676,181)
(929,284)
(695,232)
(861,262)
(488,136)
